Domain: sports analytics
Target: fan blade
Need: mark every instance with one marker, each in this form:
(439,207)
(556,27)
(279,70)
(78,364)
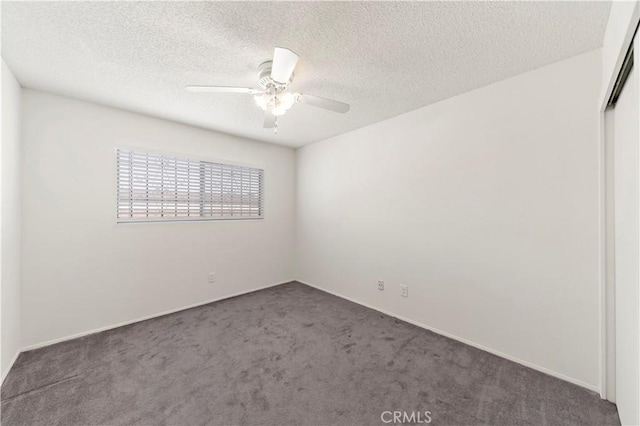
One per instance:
(223,89)
(325,103)
(284,61)
(269,120)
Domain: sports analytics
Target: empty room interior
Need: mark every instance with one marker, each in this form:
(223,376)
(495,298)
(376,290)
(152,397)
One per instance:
(320,213)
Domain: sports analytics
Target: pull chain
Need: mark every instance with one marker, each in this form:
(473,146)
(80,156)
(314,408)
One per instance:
(275,103)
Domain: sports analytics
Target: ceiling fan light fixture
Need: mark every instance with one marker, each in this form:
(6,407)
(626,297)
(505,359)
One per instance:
(278,111)
(276,104)
(263,100)
(283,103)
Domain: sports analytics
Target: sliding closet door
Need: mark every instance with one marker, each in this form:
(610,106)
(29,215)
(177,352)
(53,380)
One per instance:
(627,251)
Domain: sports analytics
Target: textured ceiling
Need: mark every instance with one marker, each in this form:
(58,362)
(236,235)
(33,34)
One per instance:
(382,58)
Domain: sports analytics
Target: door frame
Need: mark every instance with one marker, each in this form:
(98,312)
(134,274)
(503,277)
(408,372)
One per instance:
(607,285)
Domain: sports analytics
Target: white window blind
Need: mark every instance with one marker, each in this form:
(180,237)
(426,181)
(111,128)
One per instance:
(158,187)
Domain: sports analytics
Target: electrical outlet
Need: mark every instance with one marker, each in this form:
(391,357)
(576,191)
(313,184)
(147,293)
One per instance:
(404,290)
(212,277)
(380,285)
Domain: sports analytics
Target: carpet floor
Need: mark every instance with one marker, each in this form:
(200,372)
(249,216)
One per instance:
(287,355)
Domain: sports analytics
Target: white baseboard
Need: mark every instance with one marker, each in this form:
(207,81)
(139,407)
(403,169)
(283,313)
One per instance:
(13,361)
(147,317)
(465,341)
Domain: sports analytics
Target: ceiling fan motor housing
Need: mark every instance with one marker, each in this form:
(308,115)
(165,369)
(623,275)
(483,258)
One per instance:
(265,80)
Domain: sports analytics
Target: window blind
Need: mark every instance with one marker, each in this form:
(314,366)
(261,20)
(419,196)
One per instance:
(158,187)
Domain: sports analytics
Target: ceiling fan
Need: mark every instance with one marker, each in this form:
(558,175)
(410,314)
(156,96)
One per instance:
(273,97)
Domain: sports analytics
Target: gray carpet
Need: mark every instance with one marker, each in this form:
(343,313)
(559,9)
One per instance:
(288,355)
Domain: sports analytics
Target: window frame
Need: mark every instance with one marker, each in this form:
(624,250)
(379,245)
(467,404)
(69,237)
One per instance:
(183,156)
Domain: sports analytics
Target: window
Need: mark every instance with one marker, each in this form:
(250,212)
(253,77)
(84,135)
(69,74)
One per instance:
(160,187)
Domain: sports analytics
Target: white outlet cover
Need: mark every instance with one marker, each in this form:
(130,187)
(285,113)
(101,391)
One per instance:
(404,289)
(380,285)
(212,277)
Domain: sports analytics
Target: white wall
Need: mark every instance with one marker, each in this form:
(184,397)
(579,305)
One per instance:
(10,221)
(485,205)
(82,271)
